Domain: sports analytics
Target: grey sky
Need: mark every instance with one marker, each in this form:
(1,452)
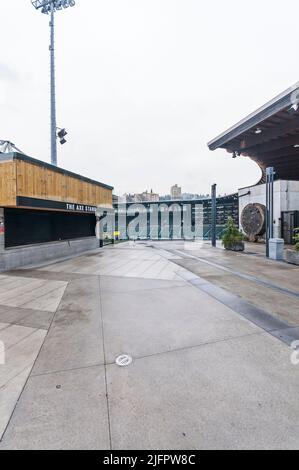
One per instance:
(142,85)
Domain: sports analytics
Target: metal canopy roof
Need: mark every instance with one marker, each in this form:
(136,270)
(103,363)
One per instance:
(269,136)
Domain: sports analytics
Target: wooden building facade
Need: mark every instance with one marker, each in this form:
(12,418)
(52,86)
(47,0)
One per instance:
(44,203)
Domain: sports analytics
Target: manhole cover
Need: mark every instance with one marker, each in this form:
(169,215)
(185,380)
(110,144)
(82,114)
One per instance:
(123,360)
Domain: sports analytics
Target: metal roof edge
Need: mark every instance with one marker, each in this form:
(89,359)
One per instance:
(270,108)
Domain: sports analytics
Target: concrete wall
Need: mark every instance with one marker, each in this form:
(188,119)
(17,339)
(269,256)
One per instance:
(286,198)
(37,254)
(289,195)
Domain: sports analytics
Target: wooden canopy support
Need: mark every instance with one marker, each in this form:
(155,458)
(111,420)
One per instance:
(267,135)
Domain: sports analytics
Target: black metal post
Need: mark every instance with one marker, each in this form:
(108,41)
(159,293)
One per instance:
(214,214)
(269,205)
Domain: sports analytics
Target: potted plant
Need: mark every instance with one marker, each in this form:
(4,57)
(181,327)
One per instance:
(232,238)
(292,256)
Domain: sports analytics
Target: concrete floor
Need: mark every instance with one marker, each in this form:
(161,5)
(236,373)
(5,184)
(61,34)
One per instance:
(209,333)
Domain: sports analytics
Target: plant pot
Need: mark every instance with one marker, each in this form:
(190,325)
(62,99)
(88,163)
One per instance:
(236,246)
(292,257)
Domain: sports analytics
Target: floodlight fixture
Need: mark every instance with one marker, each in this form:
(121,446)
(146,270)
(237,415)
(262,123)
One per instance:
(46,5)
(49,7)
(294,108)
(61,135)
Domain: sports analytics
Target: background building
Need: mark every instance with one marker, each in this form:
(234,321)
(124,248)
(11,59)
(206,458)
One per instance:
(150,196)
(176,192)
(141,197)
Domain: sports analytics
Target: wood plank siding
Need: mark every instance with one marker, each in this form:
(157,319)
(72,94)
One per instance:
(8,184)
(25,177)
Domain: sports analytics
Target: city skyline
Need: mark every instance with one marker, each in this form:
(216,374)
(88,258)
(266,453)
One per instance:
(155,196)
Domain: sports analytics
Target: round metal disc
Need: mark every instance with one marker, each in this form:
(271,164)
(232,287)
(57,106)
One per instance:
(123,360)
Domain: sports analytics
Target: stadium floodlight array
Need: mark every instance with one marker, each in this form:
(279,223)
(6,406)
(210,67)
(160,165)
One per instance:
(47,5)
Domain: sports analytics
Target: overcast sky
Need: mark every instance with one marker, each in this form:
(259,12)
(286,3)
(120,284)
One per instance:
(143,85)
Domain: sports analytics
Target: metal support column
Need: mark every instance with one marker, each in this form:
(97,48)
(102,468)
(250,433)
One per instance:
(269,206)
(53,98)
(214,214)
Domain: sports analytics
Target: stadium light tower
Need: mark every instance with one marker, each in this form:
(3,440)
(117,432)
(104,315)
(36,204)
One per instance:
(49,7)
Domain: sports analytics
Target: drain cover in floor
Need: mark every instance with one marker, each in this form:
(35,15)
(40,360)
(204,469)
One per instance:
(123,360)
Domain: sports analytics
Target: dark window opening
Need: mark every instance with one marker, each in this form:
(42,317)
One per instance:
(27,227)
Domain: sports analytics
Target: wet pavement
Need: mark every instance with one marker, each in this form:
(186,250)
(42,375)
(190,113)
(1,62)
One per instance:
(209,333)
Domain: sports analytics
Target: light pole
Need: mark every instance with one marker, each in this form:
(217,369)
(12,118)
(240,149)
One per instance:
(50,7)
